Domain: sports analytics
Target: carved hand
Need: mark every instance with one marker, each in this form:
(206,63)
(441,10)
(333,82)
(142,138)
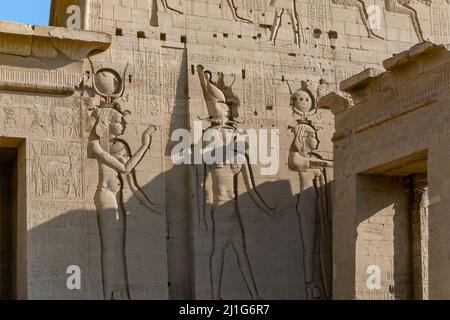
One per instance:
(147,135)
(122,159)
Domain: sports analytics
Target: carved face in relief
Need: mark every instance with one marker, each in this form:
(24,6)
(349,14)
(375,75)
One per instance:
(118,124)
(108,122)
(311,139)
(306,139)
(302,101)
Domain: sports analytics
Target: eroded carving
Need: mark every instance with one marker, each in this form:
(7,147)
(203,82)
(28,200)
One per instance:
(313,206)
(167,7)
(226,211)
(56,170)
(117,180)
(234,11)
(404,7)
(393,6)
(290,6)
(303,101)
(361,6)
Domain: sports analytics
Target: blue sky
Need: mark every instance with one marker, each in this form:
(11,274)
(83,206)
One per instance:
(35,12)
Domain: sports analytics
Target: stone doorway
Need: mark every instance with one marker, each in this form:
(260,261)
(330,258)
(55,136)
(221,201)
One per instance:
(8,222)
(13,219)
(392,232)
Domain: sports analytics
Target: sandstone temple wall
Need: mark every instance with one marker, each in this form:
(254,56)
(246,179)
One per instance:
(391,206)
(163,43)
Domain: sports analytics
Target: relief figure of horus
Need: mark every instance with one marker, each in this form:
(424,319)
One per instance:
(117,181)
(228,229)
(314,202)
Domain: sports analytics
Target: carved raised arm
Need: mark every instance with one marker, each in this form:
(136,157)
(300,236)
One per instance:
(203,81)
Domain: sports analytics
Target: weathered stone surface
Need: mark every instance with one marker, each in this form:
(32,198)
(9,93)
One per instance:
(397,207)
(90,198)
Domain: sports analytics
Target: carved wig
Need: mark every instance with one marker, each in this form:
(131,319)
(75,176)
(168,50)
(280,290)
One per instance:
(300,152)
(103,117)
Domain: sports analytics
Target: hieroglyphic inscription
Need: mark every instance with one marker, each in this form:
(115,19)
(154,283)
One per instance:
(318,12)
(40,115)
(160,89)
(43,211)
(56,170)
(213,59)
(252,9)
(174,80)
(440,22)
(95,13)
(39,76)
(147,86)
(258,93)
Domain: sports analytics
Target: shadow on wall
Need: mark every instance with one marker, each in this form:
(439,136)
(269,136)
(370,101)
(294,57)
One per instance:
(169,256)
(272,248)
(385,228)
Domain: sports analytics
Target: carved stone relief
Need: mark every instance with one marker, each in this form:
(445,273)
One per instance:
(361,6)
(56,170)
(404,7)
(41,116)
(225,209)
(170,8)
(117,180)
(314,199)
(290,7)
(440,21)
(258,93)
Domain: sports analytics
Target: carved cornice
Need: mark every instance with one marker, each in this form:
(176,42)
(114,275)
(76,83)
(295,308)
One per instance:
(380,97)
(42,59)
(336,101)
(75,45)
(413,54)
(360,80)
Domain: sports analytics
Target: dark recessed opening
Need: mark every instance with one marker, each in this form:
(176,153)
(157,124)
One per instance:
(8,224)
(317,33)
(265,26)
(119,32)
(333,34)
(141,35)
(183,39)
(162,37)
